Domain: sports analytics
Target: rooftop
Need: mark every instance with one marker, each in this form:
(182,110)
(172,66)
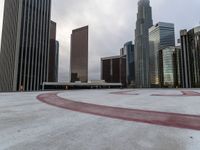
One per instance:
(114,119)
(80,29)
(143,2)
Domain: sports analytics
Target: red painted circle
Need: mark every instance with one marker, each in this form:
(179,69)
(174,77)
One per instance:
(144,116)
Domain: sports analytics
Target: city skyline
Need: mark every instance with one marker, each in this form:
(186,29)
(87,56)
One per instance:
(105,41)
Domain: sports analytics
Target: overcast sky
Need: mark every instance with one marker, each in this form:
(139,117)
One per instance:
(111,24)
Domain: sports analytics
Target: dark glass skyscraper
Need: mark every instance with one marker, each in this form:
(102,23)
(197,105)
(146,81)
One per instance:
(130,63)
(57,60)
(53,54)
(144,22)
(25,44)
(79,55)
(190,58)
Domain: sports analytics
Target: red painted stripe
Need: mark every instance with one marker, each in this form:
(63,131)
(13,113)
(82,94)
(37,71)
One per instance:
(184,93)
(151,117)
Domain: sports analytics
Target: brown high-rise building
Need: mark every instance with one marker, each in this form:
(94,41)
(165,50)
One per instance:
(79,55)
(53,54)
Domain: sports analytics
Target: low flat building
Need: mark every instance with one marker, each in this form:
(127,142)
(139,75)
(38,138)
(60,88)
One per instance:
(79,85)
(113,69)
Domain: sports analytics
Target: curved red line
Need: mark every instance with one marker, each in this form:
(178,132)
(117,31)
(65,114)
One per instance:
(151,117)
(184,93)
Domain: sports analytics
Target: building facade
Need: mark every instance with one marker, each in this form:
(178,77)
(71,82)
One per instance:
(122,51)
(144,22)
(25,45)
(169,66)
(177,67)
(57,60)
(190,45)
(113,69)
(53,54)
(161,35)
(79,55)
(185,59)
(130,63)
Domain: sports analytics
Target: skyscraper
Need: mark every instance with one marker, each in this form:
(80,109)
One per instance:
(190,62)
(185,59)
(169,67)
(53,54)
(144,22)
(57,60)
(161,36)
(130,63)
(79,55)
(25,45)
(177,66)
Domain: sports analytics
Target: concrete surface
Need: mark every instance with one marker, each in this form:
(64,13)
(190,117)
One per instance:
(27,123)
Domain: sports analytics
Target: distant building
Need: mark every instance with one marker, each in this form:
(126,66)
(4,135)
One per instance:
(169,66)
(122,52)
(144,22)
(130,63)
(79,55)
(161,36)
(25,45)
(113,69)
(177,67)
(53,54)
(57,60)
(190,57)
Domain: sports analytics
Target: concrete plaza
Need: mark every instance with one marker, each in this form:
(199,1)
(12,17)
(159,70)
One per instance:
(113,119)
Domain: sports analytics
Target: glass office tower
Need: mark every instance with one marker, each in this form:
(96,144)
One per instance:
(161,36)
(79,55)
(144,22)
(25,45)
(130,63)
(53,54)
(57,60)
(169,67)
(177,67)
(190,62)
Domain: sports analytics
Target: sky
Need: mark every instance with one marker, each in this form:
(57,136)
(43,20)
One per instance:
(111,24)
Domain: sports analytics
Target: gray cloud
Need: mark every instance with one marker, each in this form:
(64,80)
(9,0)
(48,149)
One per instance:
(112,23)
